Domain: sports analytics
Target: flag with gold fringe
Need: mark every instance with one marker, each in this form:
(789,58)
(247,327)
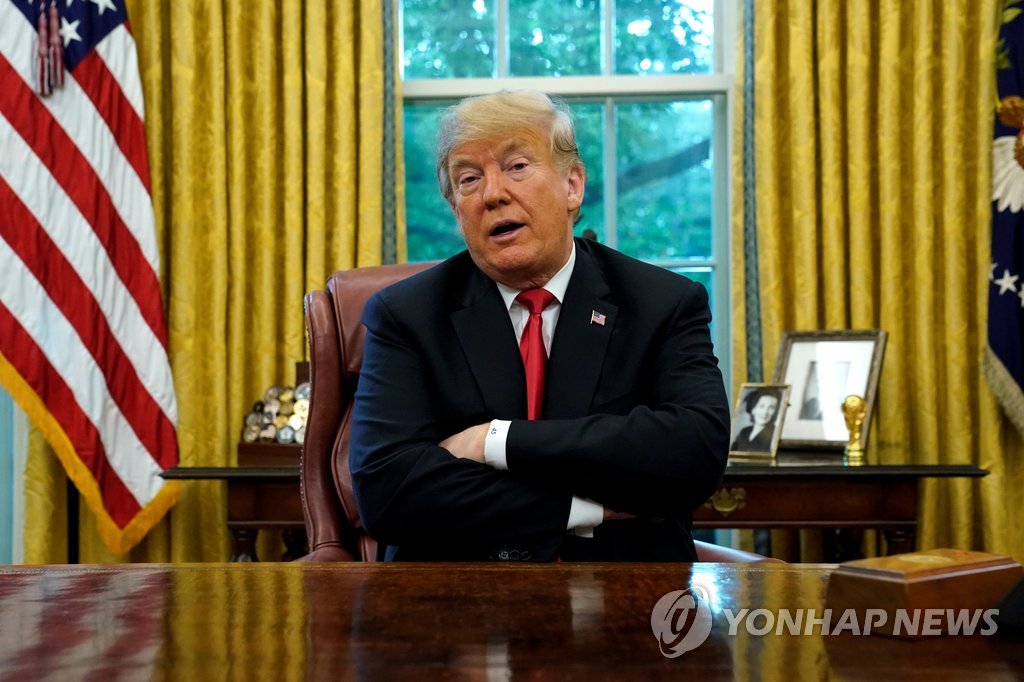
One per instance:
(83,337)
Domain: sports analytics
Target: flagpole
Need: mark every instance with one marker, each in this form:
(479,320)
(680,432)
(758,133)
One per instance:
(72,523)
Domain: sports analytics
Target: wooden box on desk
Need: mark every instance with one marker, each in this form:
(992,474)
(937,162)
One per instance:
(922,593)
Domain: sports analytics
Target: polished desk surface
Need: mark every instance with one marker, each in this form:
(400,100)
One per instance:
(473,621)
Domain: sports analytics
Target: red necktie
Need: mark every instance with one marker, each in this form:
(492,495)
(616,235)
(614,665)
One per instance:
(531,347)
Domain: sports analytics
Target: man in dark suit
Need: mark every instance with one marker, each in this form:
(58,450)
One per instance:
(458,452)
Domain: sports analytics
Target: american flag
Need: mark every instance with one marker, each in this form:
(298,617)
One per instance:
(597,318)
(83,341)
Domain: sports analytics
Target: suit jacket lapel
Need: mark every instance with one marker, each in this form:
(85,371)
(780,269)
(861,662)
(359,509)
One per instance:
(580,343)
(489,343)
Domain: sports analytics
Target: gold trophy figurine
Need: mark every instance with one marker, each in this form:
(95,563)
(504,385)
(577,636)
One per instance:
(854,408)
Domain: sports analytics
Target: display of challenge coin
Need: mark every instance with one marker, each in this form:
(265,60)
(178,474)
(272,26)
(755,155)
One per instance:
(279,417)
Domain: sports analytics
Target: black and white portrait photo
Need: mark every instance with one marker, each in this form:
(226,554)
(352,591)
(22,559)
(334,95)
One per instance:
(757,421)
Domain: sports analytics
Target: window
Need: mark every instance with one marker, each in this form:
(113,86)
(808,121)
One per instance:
(647,83)
(13,451)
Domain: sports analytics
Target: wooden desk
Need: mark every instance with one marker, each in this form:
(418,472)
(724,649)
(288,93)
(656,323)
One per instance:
(799,491)
(475,622)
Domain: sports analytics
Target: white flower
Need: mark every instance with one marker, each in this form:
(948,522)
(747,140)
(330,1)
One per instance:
(1007,175)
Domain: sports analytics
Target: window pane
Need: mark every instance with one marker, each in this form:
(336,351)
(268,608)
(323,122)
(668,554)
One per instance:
(444,39)
(706,277)
(589,120)
(555,38)
(664,179)
(431,231)
(654,36)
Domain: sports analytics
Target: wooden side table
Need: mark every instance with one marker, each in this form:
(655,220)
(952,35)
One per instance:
(798,491)
(806,490)
(259,497)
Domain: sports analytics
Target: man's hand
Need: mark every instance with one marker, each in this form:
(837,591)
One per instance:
(468,444)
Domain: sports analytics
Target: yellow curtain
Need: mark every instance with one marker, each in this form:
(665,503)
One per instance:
(872,162)
(265,124)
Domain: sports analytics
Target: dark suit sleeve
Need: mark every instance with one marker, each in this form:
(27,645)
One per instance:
(409,490)
(664,457)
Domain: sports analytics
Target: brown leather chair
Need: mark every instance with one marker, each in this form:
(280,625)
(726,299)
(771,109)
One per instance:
(333,527)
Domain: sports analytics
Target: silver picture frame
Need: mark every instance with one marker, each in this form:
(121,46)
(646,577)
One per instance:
(823,367)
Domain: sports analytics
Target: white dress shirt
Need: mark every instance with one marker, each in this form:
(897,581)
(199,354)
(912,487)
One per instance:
(584,515)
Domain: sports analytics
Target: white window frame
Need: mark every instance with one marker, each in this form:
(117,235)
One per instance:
(719,87)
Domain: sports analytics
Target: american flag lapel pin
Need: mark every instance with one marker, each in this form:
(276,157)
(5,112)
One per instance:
(597,318)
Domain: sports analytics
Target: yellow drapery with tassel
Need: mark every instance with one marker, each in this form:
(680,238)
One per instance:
(872,159)
(265,127)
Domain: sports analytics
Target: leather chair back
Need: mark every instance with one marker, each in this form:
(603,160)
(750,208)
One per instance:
(336,335)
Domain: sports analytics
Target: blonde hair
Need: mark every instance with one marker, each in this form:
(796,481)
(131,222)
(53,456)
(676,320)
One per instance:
(499,115)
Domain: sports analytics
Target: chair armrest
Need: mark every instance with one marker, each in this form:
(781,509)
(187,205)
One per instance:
(327,553)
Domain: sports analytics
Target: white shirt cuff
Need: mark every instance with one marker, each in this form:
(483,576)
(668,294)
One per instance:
(494,444)
(584,516)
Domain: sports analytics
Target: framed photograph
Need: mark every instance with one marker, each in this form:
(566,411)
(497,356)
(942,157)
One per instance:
(757,421)
(823,368)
